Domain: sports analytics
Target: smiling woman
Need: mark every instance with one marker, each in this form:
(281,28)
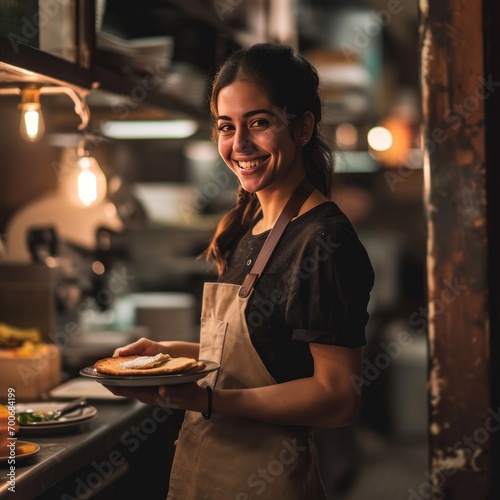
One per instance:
(264,156)
(286,318)
(282,109)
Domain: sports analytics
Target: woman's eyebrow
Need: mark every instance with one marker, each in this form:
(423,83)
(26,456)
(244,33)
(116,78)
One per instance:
(247,114)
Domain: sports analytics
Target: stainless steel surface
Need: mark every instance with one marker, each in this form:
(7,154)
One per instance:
(124,435)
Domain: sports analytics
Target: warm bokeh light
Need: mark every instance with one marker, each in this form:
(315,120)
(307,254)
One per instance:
(391,142)
(380,138)
(98,267)
(346,136)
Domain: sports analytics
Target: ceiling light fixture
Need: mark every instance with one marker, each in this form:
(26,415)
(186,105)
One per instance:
(159,129)
(32,123)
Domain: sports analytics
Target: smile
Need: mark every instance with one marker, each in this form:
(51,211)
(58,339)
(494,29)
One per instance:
(247,165)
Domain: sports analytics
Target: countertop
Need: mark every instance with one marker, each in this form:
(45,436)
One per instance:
(101,458)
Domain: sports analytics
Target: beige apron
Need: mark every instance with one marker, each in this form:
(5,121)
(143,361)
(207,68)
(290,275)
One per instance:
(236,458)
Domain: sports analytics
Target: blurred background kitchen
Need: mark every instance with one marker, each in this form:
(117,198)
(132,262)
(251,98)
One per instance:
(110,187)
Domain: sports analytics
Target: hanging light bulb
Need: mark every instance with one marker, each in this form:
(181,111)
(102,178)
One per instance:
(91,182)
(86,183)
(32,125)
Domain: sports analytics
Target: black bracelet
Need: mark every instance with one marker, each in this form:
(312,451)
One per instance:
(208,413)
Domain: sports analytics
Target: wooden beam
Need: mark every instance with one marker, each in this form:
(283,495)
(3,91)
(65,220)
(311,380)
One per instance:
(491,8)
(455,90)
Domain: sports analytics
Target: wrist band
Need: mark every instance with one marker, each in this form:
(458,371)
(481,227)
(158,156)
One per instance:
(208,413)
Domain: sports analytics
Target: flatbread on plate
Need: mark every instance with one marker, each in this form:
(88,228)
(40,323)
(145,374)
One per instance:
(161,364)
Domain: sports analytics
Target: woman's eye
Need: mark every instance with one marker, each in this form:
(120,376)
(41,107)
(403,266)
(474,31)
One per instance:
(224,129)
(260,123)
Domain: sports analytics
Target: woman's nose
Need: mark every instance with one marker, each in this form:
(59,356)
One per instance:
(242,142)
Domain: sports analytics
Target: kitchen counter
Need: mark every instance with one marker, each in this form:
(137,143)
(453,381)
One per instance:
(126,450)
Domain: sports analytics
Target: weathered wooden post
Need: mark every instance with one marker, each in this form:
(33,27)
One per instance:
(455,93)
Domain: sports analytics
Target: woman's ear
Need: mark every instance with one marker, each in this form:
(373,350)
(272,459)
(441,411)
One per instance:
(304,128)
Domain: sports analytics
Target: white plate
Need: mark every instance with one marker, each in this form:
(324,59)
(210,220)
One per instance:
(145,380)
(72,419)
(23,449)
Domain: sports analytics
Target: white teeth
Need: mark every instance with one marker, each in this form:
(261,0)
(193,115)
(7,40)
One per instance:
(250,164)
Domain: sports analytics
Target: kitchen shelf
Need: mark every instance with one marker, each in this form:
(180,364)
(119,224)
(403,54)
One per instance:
(40,66)
(125,86)
(26,64)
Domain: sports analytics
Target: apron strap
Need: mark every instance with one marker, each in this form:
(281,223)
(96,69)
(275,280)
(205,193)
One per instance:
(291,209)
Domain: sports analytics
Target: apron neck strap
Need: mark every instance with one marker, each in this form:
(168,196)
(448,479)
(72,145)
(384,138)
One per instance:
(291,209)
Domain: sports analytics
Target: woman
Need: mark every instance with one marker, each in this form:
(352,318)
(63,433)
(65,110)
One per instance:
(286,323)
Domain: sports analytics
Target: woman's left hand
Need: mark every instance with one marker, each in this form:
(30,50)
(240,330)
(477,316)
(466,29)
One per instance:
(185,396)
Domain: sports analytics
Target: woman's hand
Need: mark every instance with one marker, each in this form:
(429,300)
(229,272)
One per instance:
(148,395)
(185,396)
(189,396)
(141,347)
(146,347)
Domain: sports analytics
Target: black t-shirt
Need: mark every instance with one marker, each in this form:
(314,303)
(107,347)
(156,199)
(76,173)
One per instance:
(315,289)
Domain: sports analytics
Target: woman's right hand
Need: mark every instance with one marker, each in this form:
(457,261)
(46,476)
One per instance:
(146,347)
(141,347)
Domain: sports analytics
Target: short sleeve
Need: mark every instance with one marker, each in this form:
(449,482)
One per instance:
(330,284)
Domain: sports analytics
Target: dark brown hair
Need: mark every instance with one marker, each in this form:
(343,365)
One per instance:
(292,85)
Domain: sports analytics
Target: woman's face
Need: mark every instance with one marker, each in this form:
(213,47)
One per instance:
(255,140)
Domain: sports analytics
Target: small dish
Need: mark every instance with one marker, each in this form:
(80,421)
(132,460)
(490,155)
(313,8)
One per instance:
(24,449)
(69,420)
